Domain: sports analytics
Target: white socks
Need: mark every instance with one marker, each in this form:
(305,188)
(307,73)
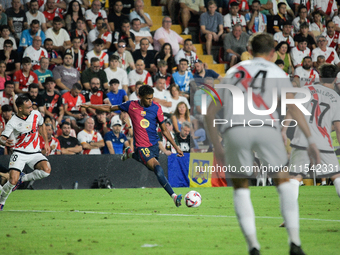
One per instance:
(295,188)
(336,183)
(35,175)
(290,210)
(6,190)
(246,216)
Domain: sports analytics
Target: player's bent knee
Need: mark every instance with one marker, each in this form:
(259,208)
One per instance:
(45,166)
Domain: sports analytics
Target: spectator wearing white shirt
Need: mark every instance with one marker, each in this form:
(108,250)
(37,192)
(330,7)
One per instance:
(176,98)
(134,95)
(299,52)
(35,52)
(162,96)
(140,34)
(60,37)
(115,72)
(187,53)
(100,31)
(34,13)
(233,17)
(92,14)
(98,52)
(284,35)
(139,74)
(89,139)
(141,15)
(5,36)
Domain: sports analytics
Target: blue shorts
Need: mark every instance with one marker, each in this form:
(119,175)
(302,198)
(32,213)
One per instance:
(144,154)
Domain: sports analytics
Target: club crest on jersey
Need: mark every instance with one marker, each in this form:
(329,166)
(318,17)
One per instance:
(144,123)
(121,140)
(143,113)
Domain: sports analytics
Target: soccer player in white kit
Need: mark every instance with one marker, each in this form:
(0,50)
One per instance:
(266,141)
(24,127)
(324,106)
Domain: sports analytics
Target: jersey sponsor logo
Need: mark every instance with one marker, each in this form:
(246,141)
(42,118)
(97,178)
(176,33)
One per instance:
(144,123)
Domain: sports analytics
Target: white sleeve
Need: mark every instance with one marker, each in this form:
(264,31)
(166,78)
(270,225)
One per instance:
(151,83)
(243,21)
(109,38)
(276,37)
(336,58)
(81,137)
(314,56)
(227,22)
(92,36)
(104,14)
(99,137)
(40,119)
(106,59)
(292,57)
(8,130)
(125,80)
(66,36)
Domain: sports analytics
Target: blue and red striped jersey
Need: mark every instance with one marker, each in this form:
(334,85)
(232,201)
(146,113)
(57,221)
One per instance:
(144,122)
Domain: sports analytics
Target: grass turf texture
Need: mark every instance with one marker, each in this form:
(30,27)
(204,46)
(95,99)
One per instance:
(121,221)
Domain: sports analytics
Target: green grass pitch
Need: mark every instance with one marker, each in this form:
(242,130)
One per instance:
(146,221)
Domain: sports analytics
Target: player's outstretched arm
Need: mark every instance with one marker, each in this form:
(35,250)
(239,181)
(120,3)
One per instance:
(101,107)
(168,136)
(295,112)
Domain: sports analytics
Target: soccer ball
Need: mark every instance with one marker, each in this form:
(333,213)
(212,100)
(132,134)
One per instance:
(193,199)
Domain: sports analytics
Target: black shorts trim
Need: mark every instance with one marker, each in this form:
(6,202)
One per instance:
(16,169)
(39,162)
(23,152)
(304,148)
(5,136)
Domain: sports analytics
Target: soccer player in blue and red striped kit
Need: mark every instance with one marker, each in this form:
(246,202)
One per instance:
(145,115)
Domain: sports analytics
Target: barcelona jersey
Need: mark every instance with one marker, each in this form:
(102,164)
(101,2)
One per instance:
(144,122)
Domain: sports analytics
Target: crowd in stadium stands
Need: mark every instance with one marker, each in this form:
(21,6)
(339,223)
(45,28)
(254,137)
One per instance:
(64,53)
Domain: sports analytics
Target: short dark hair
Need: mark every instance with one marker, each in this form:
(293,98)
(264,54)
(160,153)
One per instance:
(279,62)
(301,6)
(35,21)
(48,40)
(184,59)
(8,41)
(9,83)
(57,19)
(307,57)
(94,59)
(6,108)
(33,86)
(303,39)
(21,100)
(114,81)
(261,43)
(99,18)
(67,54)
(187,40)
(280,4)
(256,1)
(113,57)
(234,4)
(125,21)
(4,27)
(49,79)
(328,73)
(304,25)
(98,41)
(64,123)
(135,19)
(145,90)
(76,86)
(26,60)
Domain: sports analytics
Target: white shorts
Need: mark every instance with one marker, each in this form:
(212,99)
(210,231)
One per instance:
(18,160)
(242,142)
(299,163)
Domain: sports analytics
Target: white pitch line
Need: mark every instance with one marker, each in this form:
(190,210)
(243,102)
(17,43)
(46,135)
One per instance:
(163,214)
